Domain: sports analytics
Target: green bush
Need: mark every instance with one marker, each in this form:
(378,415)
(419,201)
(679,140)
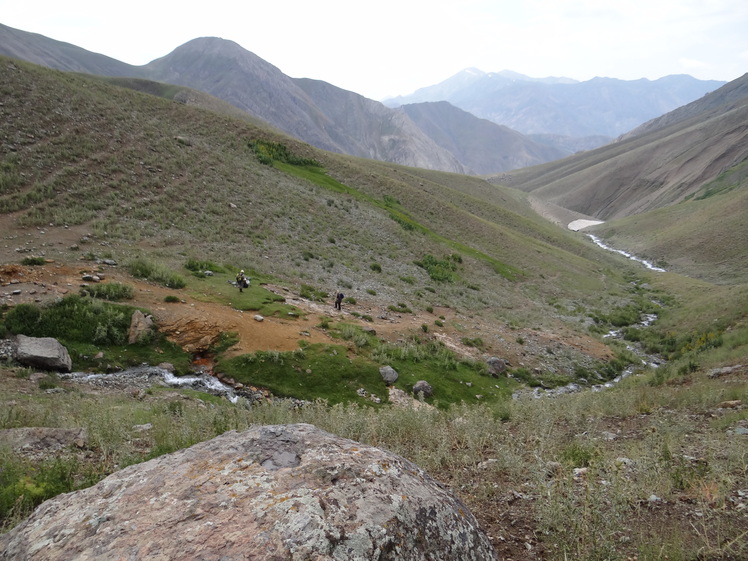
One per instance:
(114,291)
(376,267)
(313,294)
(171,299)
(400,308)
(439,270)
(199,267)
(30,261)
(143,269)
(74,318)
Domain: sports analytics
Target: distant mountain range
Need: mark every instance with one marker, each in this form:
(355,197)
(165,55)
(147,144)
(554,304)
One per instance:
(492,123)
(563,112)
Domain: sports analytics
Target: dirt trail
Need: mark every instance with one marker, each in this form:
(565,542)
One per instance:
(194,323)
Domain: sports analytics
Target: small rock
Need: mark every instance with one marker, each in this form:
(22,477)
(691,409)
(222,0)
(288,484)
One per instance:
(732,404)
(423,387)
(388,374)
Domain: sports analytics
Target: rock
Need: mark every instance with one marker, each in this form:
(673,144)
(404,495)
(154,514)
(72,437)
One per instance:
(272,492)
(496,366)
(399,398)
(43,440)
(732,404)
(725,370)
(42,352)
(141,326)
(423,387)
(389,375)
(258,317)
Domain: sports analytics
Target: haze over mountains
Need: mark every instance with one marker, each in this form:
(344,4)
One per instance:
(541,120)
(563,112)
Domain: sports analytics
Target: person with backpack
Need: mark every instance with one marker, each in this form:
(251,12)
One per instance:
(339,301)
(242,281)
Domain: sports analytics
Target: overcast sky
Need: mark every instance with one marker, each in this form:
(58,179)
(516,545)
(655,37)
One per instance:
(393,47)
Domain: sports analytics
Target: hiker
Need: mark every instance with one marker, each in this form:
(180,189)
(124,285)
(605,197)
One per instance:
(242,281)
(339,300)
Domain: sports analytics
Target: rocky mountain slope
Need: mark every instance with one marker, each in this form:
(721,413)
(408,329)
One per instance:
(679,183)
(315,112)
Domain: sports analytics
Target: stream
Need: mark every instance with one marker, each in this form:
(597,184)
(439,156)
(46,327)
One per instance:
(646,361)
(144,376)
(644,262)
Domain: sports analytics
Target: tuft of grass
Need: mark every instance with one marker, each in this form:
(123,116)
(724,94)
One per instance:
(147,270)
(113,291)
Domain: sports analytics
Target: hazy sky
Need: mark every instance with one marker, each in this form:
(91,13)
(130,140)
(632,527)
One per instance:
(393,47)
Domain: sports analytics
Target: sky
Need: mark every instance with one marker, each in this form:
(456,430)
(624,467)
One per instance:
(385,48)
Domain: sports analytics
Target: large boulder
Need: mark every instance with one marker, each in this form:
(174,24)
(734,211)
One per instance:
(290,492)
(42,352)
(141,327)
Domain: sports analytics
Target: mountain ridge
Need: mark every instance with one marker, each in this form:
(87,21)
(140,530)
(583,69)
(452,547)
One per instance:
(226,70)
(562,106)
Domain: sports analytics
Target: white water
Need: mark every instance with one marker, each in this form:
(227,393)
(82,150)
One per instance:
(577,225)
(581,224)
(147,374)
(644,262)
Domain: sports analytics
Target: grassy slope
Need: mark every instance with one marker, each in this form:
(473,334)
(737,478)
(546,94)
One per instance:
(156,176)
(79,151)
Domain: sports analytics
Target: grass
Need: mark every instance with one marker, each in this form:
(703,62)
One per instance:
(113,291)
(313,221)
(144,269)
(603,514)
(86,327)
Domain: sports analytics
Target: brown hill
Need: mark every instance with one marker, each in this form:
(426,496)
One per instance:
(650,170)
(681,182)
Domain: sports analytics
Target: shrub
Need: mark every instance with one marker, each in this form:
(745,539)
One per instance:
(30,261)
(400,309)
(113,291)
(199,267)
(314,294)
(376,267)
(440,270)
(170,298)
(143,269)
(74,318)
(476,342)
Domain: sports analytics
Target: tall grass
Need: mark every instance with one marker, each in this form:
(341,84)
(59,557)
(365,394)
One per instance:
(527,448)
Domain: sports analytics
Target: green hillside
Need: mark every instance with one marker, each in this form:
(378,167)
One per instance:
(154,176)
(440,271)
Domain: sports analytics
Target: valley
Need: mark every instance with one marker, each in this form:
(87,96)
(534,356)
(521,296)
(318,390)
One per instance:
(134,189)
